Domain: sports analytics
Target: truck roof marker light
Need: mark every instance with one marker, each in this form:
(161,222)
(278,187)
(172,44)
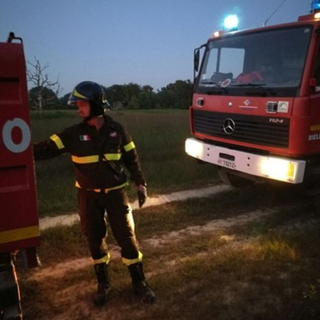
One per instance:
(308,17)
(217,34)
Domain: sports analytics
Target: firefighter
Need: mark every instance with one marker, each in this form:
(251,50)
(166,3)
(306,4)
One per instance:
(100,148)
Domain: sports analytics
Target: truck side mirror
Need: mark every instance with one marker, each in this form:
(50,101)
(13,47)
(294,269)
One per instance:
(196,60)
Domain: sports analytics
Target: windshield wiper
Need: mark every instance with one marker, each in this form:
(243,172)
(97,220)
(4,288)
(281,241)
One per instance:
(250,84)
(255,85)
(206,82)
(214,87)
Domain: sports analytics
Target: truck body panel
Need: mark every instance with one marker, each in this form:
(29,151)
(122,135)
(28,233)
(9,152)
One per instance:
(19,223)
(19,228)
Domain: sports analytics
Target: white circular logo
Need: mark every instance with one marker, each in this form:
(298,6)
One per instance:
(7,135)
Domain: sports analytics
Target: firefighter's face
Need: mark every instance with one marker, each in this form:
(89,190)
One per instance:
(83,109)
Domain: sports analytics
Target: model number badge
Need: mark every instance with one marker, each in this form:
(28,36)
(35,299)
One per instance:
(276,120)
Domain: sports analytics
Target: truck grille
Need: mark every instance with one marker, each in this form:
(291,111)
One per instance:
(267,131)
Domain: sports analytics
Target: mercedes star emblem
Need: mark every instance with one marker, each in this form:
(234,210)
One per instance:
(229,126)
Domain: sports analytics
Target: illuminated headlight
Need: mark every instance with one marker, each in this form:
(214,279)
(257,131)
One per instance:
(279,169)
(194,148)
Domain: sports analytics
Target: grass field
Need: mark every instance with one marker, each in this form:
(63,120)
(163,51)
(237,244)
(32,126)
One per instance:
(239,269)
(159,137)
(266,268)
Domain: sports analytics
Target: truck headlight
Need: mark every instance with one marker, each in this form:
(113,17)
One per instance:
(278,169)
(194,148)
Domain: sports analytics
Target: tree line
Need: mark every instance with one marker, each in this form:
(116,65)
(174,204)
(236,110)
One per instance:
(45,94)
(176,95)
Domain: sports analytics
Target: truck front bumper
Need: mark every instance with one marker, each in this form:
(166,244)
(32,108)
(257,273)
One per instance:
(269,167)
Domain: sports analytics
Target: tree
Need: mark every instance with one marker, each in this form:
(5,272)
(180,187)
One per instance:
(63,102)
(131,92)
(176,95)
(165,98)
(40,79)
(126,95)
(147,100)
(115,96)
(48,98)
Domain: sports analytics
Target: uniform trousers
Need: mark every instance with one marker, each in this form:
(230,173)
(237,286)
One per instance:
(97,210)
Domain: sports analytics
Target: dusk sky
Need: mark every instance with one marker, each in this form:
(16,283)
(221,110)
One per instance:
(148,42)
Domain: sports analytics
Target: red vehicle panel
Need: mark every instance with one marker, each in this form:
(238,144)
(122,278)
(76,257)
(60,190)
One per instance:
(255,111)
(19,224)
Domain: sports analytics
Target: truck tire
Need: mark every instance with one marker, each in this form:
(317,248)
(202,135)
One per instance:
(316,202)
(10,304)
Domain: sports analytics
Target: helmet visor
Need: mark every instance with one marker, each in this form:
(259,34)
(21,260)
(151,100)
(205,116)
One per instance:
(75,96)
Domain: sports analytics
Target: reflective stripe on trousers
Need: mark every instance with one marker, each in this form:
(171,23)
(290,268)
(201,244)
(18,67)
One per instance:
(97,211)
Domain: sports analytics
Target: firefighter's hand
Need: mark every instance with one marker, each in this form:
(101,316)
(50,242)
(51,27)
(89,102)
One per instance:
(142,194)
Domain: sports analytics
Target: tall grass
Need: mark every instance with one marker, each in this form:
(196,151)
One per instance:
(159,137)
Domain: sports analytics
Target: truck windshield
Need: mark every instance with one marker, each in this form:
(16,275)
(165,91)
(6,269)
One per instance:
(268,62)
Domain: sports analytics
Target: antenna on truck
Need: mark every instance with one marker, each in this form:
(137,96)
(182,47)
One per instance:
(265,23)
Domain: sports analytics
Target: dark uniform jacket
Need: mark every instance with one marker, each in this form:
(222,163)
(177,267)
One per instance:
(99,157)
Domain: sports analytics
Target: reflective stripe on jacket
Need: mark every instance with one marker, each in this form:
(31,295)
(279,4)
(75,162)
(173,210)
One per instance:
(99,157)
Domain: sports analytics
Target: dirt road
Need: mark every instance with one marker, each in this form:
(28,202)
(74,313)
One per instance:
(69,219)
(68,303)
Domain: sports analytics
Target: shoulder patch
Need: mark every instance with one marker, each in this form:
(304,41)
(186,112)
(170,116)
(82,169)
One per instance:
(84,137)
(113,134)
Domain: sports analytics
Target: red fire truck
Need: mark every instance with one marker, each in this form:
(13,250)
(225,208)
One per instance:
(256,105)
(19,224)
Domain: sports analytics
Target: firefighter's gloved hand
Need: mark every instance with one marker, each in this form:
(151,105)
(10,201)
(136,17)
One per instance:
(142,194)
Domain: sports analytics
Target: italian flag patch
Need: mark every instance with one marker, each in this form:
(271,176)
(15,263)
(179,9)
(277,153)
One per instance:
(84,137)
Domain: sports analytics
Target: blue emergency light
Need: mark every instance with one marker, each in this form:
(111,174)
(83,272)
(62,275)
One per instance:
(231,22)
(315,6)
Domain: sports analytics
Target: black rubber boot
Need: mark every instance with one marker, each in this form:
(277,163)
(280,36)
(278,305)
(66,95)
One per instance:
(139,284)
(101,296)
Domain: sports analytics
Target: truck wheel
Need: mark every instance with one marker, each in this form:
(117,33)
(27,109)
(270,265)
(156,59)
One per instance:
(316,201)
(10,305)
(234,180)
